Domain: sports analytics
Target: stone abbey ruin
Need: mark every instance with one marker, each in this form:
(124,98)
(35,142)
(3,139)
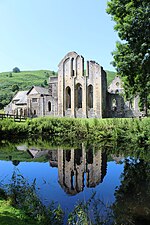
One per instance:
(79,90)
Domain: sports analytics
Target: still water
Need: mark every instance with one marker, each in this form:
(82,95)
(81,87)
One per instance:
(68,176)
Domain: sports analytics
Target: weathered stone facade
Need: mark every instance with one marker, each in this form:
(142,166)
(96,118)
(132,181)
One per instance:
(18,105)
(38,102)
(81,94)
(116,105)
(80,90)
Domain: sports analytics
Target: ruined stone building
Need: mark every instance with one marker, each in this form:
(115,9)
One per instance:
(79,90)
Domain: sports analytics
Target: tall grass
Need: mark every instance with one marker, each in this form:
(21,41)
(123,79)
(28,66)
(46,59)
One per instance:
(71,129)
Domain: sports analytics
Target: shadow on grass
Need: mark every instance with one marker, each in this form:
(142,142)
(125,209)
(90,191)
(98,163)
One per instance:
(12,216)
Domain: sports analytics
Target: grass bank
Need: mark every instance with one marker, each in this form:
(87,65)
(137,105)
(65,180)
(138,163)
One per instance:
(10,215)
(68,129)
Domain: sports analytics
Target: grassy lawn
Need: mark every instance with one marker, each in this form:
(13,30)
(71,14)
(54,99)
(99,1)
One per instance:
(10,215)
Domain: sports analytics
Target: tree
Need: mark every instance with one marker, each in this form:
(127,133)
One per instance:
(132,54)
(16,70)
(45,83)
(15,87)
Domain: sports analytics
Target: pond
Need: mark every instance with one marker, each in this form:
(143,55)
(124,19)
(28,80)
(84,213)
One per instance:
(69,175)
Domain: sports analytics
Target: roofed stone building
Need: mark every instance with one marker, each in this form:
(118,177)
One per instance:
(18,105)
(38,101)
(79,90)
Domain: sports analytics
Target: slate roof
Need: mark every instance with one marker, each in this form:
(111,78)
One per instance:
(20,97)
(40,90)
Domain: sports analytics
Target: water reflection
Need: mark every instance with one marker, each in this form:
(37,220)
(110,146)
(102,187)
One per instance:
(77,167)
(71,174)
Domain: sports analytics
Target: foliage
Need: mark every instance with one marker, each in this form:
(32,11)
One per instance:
(16,70)
(10,215)
(132,56)
(45,83)
(135,131)
(23,196)
(90,213)
(15,87)
(110,76)
(133,195)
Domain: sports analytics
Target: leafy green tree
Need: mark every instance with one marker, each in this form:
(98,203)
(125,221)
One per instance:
(16,70)
(132,54)
(45,82)
(15,87)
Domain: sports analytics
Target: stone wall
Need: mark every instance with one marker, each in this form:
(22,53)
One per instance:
(81,94)
(115,106)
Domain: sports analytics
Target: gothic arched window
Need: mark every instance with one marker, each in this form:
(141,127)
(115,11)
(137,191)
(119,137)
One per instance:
(49,106)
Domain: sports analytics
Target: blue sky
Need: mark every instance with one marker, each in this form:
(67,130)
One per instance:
(37,34)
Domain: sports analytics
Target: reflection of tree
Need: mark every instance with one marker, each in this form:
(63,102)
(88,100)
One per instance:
(15,162)
(132,204)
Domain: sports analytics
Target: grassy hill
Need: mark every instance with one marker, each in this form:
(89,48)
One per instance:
(110,76)
(25,80)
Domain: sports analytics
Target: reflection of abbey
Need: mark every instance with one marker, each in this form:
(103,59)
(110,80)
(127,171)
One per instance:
(79,91)
(78,168)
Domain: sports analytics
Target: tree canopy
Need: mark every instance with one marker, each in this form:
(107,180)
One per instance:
(16,70)
(132,54)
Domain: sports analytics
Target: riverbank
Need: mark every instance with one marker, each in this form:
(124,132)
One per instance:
(95,130)
(10,215)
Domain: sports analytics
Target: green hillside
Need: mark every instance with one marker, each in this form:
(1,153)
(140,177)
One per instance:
(24,80)
(11,82)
